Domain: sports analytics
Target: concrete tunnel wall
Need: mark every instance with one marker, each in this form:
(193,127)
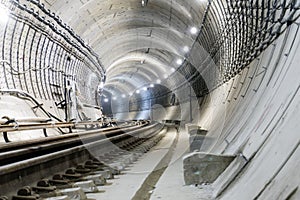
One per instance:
(255,115)
(259,120)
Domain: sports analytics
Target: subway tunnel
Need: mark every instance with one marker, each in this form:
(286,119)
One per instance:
(216,80)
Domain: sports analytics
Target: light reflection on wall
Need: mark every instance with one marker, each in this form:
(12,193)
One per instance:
(4,14)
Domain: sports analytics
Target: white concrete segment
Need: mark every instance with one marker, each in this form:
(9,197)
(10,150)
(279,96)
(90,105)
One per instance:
(126,185)
(171,184)
(239,79)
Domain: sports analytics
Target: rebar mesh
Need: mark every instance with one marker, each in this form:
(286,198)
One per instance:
(234,33)
(39,54)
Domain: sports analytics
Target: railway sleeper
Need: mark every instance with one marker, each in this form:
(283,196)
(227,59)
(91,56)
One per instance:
(88,176)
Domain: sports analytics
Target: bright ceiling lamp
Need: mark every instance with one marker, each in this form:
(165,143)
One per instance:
(137,91)
(186,49)
(179,61)
(145,88)
(194,30)
(158,81)
(173,69)
(106,100)
(101,85)
(152,85)
(144,3)
(123,96)
(4,14)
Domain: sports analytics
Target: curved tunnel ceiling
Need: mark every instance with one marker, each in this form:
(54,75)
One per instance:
(237,76)
(136,44)
(140,45)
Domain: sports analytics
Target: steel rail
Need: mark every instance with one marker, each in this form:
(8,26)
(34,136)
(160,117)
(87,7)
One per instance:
(34,126)
(38,161)
(39,148)
(63,138)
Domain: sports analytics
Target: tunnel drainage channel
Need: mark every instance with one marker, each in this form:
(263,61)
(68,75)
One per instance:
(145,191)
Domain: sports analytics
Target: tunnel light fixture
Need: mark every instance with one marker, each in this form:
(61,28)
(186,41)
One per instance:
(173,69)
(186,49)
(194,30)
(137,91)
(123,96)
(101,85)
(4,14)
(144,3)
(130,94)
(106,100)
(145,88)
(152,85)
(179,61)
(158,81)
(166,76)
(114,98)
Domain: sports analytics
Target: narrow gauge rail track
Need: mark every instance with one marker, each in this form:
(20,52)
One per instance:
(24,163)
(18,151)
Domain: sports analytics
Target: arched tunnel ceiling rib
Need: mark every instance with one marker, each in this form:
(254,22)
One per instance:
(115,29)
(232,33)
(235,75)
